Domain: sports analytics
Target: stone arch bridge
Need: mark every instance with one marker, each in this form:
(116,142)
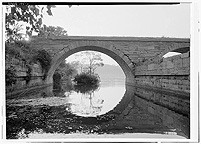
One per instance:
(137,56)
(154,84)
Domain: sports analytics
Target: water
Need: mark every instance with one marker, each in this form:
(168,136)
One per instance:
(97,102)
(110,109)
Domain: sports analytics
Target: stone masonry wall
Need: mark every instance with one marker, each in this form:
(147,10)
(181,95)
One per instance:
(21,72)
(171,73)
(135,49)
(165,82)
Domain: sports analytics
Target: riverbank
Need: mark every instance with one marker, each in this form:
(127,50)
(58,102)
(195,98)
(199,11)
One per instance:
(20,92)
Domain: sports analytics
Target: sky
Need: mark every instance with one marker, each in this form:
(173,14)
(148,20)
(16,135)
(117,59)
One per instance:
(106,59)
(122,20)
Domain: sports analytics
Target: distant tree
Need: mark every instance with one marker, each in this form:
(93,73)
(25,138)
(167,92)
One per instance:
(52,31)
(90,61)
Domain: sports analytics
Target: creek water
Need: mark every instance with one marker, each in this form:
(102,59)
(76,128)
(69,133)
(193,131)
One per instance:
(108,110)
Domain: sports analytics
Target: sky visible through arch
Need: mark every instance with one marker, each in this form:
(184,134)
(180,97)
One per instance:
(122,20)
(106,59)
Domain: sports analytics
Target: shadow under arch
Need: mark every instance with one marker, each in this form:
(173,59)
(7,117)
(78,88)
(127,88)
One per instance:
(63,54)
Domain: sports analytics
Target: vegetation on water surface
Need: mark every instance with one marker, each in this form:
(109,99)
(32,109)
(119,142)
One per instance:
(25,119)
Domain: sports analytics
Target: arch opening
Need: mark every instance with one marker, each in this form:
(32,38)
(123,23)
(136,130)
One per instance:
(93,100)
(66,52)
(175,52)
(98,63)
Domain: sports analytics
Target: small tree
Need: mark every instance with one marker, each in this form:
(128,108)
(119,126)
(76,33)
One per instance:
(90,61)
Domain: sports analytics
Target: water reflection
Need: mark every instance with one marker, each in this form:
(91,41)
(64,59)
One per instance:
(94,100)
(84,102)
(86,89)
(112,109)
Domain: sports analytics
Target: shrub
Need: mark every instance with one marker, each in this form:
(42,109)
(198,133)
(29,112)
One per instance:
(57,81)
(10,76)
(44,58)
(85,78)
(86,89)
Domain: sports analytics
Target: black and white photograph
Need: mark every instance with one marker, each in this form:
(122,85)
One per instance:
(100,72)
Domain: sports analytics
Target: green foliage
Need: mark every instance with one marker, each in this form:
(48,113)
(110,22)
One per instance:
(29,70)
(52,31)
(86,89)
(86,79)
(31,16)
(57,81)
(13,33)
(65,72)
(10,76)
(19,50)
(11,51)
(44,58)
(22,12)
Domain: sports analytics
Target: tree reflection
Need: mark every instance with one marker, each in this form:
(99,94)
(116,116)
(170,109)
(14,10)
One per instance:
(86,89)
(90,104)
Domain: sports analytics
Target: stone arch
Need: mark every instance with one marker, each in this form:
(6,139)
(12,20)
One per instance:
(175,49)
(124,62)
(171,49)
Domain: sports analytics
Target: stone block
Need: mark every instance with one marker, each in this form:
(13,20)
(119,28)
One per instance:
(186,82)
(163,65)
(171,71)
(165,71)
(186,62)
(185,55)
(151,110)
(151,66)
(174,87)
(169,65)
(178,63)
(174,58)
(179,82)
(138,68)
(184,71)
(181,87)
